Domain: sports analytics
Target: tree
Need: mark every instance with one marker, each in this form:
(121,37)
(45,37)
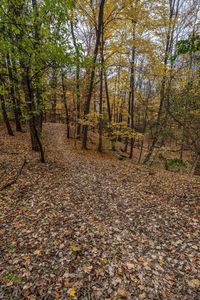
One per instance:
(92,75)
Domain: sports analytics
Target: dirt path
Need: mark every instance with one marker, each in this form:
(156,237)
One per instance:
(98,228)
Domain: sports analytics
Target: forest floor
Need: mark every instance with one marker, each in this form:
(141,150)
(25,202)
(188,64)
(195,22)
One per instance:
(88,226)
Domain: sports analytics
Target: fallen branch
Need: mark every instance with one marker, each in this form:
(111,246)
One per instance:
(14,180)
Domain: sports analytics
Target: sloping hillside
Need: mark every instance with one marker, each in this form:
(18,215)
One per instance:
(87,226)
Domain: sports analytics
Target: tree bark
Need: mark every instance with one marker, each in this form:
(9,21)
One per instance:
(107,97)
(132,89)
(78,94)
(5,116)
(28,92)
(12,94)
(66,107)
(173,12)
(54,95)
(38,89)
(101,95)
(91,83)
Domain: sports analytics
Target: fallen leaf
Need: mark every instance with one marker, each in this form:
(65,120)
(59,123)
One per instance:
(130,266)
(103,261)
(37,252)
(88,269)
(74,248)
(195,283)
(9,283)
(122,293)
(72,292)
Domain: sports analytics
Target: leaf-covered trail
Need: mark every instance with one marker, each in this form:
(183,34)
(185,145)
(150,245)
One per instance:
(99,228)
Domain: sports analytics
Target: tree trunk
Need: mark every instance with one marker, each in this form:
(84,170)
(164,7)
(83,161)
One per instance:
(101,95)
(5,116)
(12,94)
(17,89)
(91,83)
(108,110)
(38,90)
(132,89)
(66,107)
(196,167)
(78,106)
(173,12)
(145,123)
(54,95)
(107,97)
(28,92)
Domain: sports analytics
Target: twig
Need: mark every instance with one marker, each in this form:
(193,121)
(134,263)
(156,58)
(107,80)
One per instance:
(9,153)
(14,180)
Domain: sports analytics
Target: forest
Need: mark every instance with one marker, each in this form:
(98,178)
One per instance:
(99,149)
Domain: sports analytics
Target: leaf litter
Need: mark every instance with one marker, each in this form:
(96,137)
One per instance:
(88,226)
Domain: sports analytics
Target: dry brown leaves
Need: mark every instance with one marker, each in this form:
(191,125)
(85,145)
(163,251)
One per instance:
(87,226)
